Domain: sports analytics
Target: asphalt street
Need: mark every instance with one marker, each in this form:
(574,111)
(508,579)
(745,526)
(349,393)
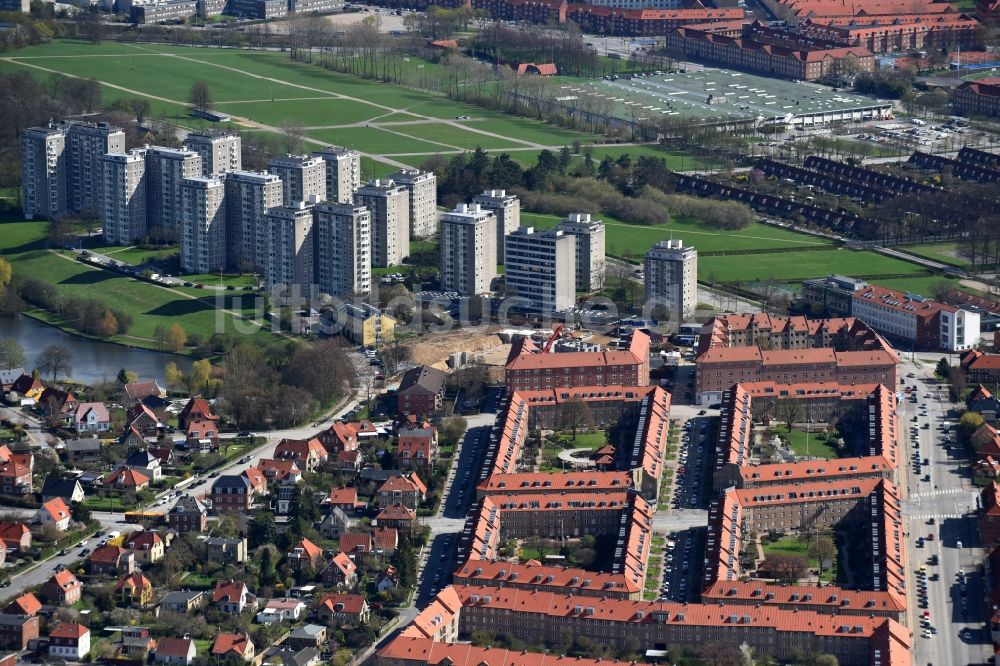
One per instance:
(955,603)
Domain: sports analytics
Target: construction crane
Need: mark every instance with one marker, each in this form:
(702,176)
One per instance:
(556,332)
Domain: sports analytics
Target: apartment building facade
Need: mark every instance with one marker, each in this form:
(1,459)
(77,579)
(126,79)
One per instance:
(249,197)
(303,178)
(166,169)
(978,98)
(342,235)
(286,243)
(122,193)
(389,206)
(86,143)
(590,263)
(203,224)
(468,250)
(422,189)
(916,320)
(43,172)
(220,151)
(670,278)
(343,172)
(540,269)
(506,208)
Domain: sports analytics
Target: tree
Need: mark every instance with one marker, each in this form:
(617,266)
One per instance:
(943,368)
(822,549)
(160,335)
(55,360)
(784,568)
(197,380)
(261,530)
(292,132)
(11,354)
(452,429)
(956,383)
(140,109)
(5,273)
(200,96)
(574,415)
(81,513)
(127,377)
(789,411)
(176,337)
(174,376)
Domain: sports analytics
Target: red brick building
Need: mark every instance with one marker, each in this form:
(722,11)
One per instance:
(529,369)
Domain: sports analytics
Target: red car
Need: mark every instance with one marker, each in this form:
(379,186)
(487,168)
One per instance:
(930,537)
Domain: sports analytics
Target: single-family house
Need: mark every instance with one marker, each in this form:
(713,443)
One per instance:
(348,461)
(162,453)
(258,482)
(136,391)
(416,448)
(406,489)
(16,537)
(398,516)
(134,590)
(188,514)
(54,512)
(17,631)
(15,478)
(196,409)
(334,524)
(237,645)
(69,641)
(143,420)
(147,546)
(91,417)
(183,601)
(27,387)
(58,405)
(232,493)
(341,571)
(69,490)
(145,463)
(345,499)
(8,377)
(87,449)
(281,610)
(307,636)
(111,561)
(175,651)
(232,597)
(339,437)
(985,470)
(62,589)
(421,391)
(308,454)
(356,543)
(225,549)
(283,477)
(132,439)
(343,609)
(387,579)
(304,553)
(202,435)
(385,541)
(126,478)
(136,643)
(983,402)
(26,604)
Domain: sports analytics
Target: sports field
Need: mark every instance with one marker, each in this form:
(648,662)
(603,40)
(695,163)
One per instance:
(390,125)
(795,266)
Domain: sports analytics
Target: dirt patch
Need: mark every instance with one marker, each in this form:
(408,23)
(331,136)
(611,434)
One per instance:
(482,346)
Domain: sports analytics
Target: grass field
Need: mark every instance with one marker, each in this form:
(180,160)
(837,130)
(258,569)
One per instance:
(925,285)
(790,545)
(451,136)
(632,240)
(795,266)
(310,111)
(946,253)
(807,445)
(22,243)
(376,141)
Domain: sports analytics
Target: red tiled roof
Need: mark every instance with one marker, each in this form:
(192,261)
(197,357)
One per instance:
(348,603)
(226,643)
(69,630)
(227,591)
(355,542)
(173,647)
(26,604)
(107,555)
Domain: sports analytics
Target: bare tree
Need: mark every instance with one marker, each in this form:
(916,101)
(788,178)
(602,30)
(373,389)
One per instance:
(200,96)
(292,132)
(574,415)
(55,360)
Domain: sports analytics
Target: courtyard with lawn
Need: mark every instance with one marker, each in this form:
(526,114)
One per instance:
(809,549)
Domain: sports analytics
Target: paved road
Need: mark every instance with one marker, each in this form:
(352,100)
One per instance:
(949,498)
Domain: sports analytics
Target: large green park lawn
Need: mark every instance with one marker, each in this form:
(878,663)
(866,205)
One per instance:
(23,244)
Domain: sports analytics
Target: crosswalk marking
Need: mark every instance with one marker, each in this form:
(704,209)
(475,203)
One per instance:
(937,516)
(935,493)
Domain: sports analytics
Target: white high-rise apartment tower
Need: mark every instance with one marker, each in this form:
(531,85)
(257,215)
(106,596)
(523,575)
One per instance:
(203,224)
(249,196)
(86,143)
(589,250)
(43,172)
(389,205)
(286,241)
(468,250)
(343,172)
(507,209)
(122,196)
(303,178)
(422,188)
(671,278)
(342,235)
(166,169)
(220,150)
(541,269)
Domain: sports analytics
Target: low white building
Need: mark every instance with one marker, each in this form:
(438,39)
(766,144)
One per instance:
(281,610)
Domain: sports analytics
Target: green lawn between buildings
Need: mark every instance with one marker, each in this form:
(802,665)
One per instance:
(791,545)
